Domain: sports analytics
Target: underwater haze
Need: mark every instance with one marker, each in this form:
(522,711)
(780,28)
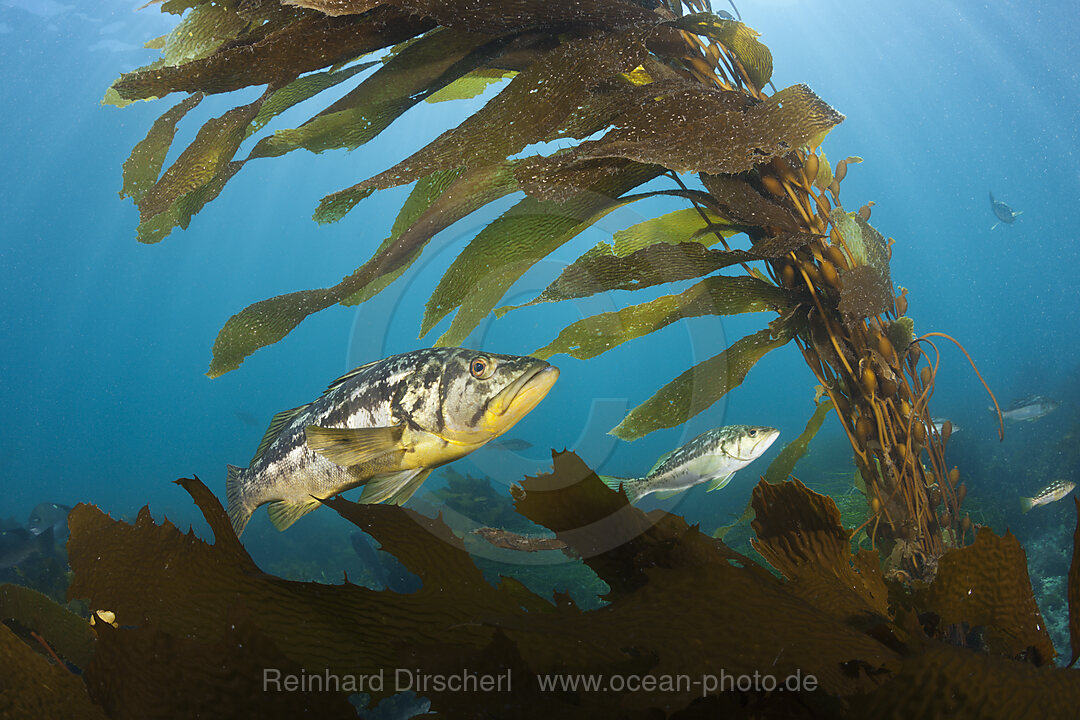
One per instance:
(106,341)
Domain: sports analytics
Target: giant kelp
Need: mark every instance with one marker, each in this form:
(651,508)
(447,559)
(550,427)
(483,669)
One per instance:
(194,624)
(639,94)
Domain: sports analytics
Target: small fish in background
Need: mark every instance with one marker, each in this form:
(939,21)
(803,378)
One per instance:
(48,515)
(939,425)
(712,457)
(1003,212)
(1051,493)
(385,425)
(19,544)
(387,569)
(1029,409)
(246,418)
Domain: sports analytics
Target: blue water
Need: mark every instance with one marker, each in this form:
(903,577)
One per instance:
(106,342)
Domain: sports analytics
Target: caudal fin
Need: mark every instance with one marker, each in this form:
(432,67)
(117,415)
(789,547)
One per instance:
(627,485)
(239,512)
(1026,504)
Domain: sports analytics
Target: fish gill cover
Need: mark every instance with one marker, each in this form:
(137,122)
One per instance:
(645,94)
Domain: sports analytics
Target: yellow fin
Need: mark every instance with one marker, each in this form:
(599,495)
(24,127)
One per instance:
(354,446)
(277,423)
(284,513)
(1026,504)
(395,488)
(665,494)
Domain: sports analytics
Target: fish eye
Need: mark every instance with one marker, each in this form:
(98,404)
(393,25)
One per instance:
(35,519)
(481,368)
(752,433)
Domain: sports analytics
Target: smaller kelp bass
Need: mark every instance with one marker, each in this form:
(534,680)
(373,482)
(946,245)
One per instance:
(385,425)
(712,457)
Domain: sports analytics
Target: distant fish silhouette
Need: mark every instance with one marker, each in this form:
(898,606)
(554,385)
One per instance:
(19,544)
(1003,212)
(9,523)
(246,417)
(48,515)
(386,568)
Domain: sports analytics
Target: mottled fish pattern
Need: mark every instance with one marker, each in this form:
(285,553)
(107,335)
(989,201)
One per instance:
(1053,492)
(385,425)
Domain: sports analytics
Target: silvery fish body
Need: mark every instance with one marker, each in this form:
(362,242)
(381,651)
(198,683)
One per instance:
(712,457)
(1051,493)
(385,425)
(1030,408)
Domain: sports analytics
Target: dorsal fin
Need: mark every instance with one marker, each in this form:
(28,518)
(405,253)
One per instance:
(659,461)
(277,422)
(348,376)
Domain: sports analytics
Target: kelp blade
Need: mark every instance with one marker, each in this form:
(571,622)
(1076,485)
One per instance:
(780,468)
(718,295)
(702,385)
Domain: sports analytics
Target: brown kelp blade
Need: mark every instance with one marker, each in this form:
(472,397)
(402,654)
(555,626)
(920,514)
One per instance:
(1074,590)
(987,585)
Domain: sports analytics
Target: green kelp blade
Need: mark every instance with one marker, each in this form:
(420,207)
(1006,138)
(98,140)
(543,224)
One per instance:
(747,516)
(718,295)
(303,89)
(142,168)
(672,228)
(470,85)
(435,203)
(197,175)
(202,31)
(742,41)
(601,270)
(67,633)
(511,244)
(532,108)
(702,385)
(1074,590)
(419,68)
(782,465)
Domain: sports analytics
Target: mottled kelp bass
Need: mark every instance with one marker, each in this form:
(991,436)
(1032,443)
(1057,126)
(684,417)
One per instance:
(664,95)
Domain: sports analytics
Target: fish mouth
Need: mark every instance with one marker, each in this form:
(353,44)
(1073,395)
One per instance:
(766,442)
(762,445)
(519,397)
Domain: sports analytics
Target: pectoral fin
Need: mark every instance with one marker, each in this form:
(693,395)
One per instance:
(395,488)
(665,494)
(718,482)
(284,513)
(354,446)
